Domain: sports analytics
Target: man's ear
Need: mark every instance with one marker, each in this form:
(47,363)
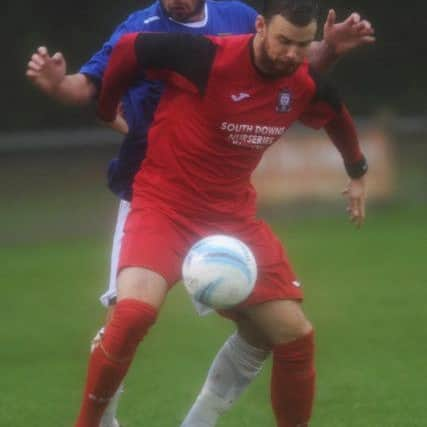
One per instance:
(260,25)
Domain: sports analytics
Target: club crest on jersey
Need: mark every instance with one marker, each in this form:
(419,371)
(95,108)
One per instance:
(284,101)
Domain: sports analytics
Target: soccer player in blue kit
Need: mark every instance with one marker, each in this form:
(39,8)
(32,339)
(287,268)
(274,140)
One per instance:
(237,362)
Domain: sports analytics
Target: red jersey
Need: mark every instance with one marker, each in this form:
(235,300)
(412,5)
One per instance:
(217,116)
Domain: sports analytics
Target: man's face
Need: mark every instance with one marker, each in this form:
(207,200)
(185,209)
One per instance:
(282,46)
(184,10)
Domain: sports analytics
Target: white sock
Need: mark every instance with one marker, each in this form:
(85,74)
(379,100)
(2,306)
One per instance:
(109,417)
(233,369)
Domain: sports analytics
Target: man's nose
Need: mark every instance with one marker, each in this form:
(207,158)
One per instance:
(292,53)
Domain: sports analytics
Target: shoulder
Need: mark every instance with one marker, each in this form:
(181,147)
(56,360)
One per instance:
(324,90)
(141,19)
(162,49)
(315,83)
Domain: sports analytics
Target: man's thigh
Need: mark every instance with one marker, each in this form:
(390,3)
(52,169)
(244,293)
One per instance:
(154,241)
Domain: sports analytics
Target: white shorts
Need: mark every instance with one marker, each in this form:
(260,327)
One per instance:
(109,297)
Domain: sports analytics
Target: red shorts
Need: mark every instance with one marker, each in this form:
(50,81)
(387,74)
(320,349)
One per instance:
(159,242)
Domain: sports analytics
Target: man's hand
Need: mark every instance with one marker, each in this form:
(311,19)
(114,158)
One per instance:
(119,124)
(45,71)
(344,36)
(355,193)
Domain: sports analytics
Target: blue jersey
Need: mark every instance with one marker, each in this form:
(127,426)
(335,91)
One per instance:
(139,104)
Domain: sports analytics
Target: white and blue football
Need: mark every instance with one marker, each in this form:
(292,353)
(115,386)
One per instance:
(219,271)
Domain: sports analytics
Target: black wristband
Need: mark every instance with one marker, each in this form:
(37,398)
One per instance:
(358,169)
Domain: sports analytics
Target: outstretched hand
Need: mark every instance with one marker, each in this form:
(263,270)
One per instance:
(347,35)
(355,193)
(46,71)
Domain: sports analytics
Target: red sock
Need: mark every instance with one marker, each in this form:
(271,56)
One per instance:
(293,382)
(111,359)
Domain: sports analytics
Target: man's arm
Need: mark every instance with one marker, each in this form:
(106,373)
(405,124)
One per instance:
(339,39)
(48,73)
(342,132)
(327,110)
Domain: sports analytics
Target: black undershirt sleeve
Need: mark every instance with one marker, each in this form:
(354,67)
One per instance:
(190,55)
(325,91)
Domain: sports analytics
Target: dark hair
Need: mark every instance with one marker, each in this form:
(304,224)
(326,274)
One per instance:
(297,12)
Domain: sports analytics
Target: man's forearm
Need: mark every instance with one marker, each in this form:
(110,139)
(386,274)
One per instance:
(321,56)
(74,89)
(342,133)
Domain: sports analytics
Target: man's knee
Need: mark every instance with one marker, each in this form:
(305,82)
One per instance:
(249,332)
(143,285)
(280,321)
(287,332)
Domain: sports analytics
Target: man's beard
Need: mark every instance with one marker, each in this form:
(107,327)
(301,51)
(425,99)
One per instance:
(274,68)
(183,14)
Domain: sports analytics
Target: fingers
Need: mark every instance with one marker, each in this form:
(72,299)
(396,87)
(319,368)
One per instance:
(34,67)
(357,211)
(37,59)
(354,18)
(363,28)
(331,18)
(40,58)
(354,211)
(43,52)
(359,25)
(355,208)
(58,57)
(31,73)
(368,40)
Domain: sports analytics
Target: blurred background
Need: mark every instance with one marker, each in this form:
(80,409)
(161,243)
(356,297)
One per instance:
(366,289)
(383,85)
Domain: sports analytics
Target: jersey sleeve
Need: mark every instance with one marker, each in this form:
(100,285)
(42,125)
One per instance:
(95,67)
(246,14)
(182,59)
(325,104)
(327,110)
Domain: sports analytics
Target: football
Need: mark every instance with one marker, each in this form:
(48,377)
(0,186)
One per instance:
(219,271)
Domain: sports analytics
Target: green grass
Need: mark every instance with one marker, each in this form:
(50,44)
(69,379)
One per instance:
(366,293)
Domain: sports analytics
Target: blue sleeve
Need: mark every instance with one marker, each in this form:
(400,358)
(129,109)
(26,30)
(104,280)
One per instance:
(249,13)
(94,68)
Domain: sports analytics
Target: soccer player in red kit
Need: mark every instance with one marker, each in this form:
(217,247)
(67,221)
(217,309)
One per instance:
(225,102)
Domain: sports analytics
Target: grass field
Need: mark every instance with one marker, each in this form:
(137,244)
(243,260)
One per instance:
(366,293)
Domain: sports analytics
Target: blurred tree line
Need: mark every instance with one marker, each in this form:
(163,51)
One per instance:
(387,76)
